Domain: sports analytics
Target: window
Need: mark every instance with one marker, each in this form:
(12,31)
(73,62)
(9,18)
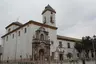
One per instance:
(60,43)
(51,12)
(13,36)
(7,38)
(52,56)
(51,19)
(60,57)
(68,44)
(19,33)
(25,30)
(41,37)
(44,20)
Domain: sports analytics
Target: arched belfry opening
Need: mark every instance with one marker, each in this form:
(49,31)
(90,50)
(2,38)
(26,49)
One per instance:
(41,46)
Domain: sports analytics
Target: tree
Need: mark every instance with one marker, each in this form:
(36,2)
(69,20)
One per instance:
(87,44)
(78,47)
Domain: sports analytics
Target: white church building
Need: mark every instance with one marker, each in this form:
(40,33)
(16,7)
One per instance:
(37,41)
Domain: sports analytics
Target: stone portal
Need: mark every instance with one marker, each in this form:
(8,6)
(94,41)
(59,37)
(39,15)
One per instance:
(41,47)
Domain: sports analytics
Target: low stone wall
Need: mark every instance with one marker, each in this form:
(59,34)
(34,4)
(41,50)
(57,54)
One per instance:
(79,62)
(17,63)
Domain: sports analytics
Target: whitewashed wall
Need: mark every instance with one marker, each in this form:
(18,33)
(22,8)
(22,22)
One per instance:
(17,46)
(66,49)
(22,45)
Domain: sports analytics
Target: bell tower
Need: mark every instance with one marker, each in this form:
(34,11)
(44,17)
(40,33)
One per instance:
(49,16)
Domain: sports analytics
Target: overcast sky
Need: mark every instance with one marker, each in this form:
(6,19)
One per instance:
(74,18)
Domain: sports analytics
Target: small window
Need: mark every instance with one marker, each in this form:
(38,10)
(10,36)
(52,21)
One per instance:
(19,33)
(7,38)
(44,20)
(13,36)
(52,56)
(41,37)
(25,30)
(68,44)
(60,43)
(51,19)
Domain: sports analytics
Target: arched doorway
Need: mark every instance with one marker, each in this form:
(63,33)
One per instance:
(41,56)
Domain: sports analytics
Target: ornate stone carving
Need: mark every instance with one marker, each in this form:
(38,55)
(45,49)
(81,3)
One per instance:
(41,46)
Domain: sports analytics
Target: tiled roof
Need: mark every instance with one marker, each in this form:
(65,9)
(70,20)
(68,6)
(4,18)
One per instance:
(48,7)
(31,22)
(68,38)
(18,23)
(15,23)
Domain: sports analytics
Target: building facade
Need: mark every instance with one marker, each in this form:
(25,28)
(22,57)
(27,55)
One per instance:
(37,41)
